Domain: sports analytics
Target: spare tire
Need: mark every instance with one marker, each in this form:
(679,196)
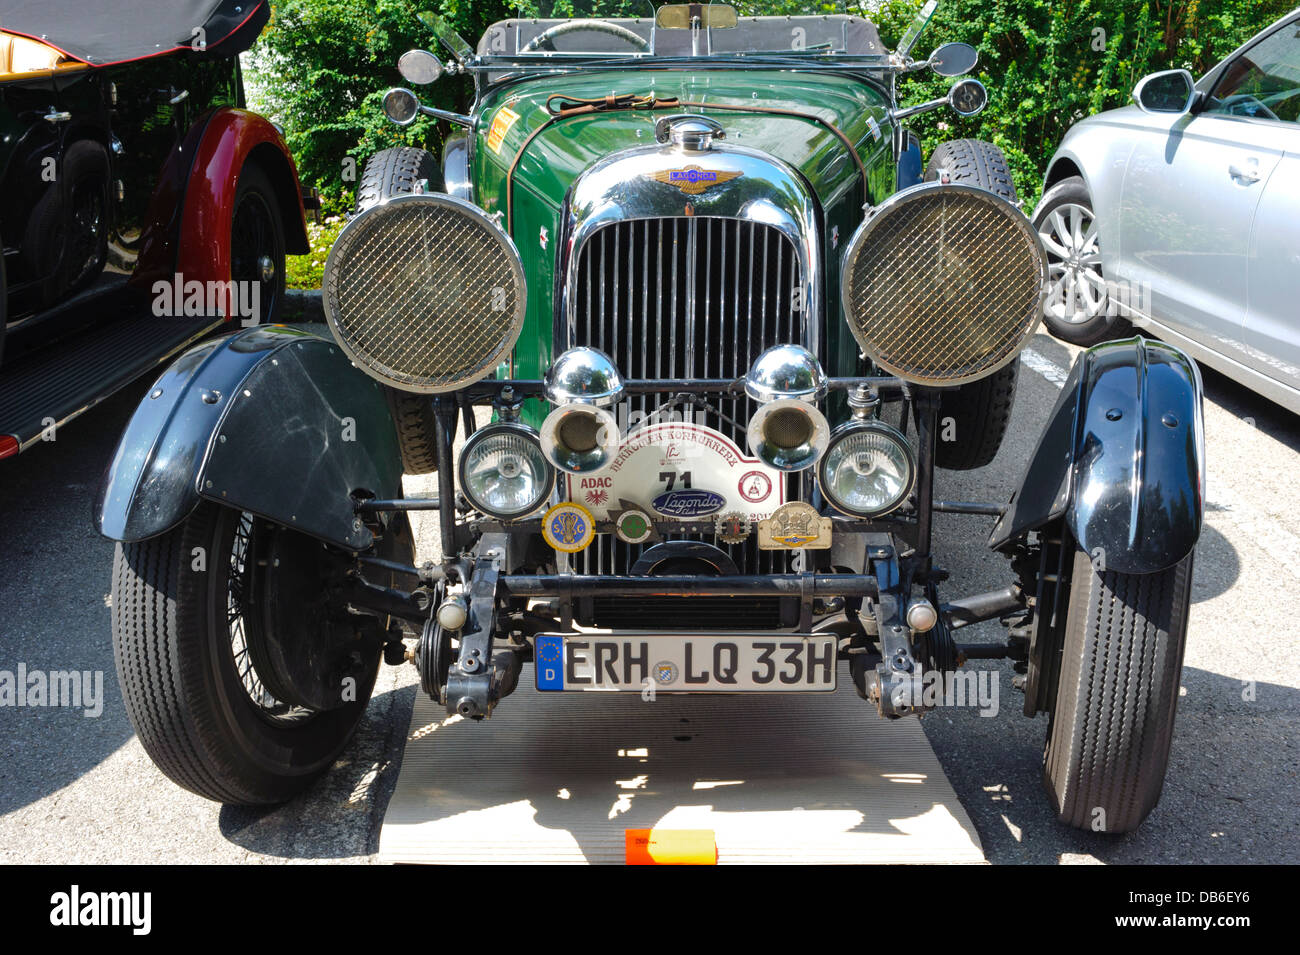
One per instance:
(398,172)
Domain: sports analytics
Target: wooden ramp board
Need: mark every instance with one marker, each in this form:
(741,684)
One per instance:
(558,777)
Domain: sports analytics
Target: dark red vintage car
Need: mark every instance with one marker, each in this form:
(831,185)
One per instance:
(141,204)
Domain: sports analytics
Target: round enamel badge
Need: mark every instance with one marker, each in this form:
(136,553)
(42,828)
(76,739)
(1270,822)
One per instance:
(633,526)
(568,527)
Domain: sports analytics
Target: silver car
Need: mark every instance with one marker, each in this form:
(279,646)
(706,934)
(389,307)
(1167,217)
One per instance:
(1181,214)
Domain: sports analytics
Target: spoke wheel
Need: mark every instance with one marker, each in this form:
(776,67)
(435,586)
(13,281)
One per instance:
(246,636)
(257,244)
(197,613)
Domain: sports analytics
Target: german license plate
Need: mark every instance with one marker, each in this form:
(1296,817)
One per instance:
(686,663)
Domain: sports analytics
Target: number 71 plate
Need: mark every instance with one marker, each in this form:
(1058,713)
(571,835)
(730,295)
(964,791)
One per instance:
(686,663)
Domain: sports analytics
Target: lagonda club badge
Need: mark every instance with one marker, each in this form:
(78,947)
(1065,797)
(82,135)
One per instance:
(568,527)
(692,180)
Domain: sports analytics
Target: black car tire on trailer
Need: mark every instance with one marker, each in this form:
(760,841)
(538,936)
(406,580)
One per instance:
(973,418)
(1121,659)
(256,235)
(174,643)
(398,172)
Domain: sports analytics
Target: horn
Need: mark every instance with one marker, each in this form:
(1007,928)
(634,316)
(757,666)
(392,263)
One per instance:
(581,435)
(787,432)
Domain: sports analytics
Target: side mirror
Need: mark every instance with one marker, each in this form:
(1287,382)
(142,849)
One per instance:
(953,59)
(401,106)
(1172,91)
(968,97)
(419,67)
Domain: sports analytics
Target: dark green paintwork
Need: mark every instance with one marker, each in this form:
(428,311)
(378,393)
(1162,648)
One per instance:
(559,154)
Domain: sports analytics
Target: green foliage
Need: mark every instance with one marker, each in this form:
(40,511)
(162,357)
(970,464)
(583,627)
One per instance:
(1049,63)
(307,271)
(321,68)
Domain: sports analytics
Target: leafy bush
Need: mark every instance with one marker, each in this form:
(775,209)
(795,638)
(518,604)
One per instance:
(321,68)
(306,271)
(1049,63)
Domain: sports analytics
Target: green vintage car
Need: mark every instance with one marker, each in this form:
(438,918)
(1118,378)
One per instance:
(684,325)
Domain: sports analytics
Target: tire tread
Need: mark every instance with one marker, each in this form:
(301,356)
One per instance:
(1112,724)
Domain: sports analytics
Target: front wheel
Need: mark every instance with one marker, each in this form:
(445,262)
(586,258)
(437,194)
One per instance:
(201,620)
(1077,307)
(1121,658)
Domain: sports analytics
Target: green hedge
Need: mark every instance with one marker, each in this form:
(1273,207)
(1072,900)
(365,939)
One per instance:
(1047,63)
(321,68)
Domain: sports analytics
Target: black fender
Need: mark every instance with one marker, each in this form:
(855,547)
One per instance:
(1122,459)
(273,420)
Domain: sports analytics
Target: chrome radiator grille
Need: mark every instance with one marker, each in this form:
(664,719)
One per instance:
(686,298)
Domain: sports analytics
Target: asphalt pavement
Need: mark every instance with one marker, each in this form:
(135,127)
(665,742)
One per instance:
(78,788)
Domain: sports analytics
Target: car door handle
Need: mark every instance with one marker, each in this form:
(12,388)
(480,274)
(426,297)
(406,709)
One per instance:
(1248,174)
(55,117)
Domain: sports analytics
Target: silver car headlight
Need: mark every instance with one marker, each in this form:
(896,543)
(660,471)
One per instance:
(424,292)
(868,469)
(503,471)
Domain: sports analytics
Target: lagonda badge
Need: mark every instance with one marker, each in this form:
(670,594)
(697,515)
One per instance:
(693,180)
(568,527)
(794,526)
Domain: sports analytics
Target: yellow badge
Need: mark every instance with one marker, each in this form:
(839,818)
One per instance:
(794,526)
(569,527)
(501,123)
(693,180)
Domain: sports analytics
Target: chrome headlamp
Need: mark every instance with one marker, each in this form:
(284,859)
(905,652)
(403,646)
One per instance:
(787,432)
(867,470)
(503,471)
(581,434)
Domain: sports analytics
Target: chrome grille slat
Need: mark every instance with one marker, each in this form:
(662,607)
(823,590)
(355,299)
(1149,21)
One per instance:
(697,313)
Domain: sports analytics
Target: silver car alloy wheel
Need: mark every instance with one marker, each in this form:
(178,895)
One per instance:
(1076,291)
